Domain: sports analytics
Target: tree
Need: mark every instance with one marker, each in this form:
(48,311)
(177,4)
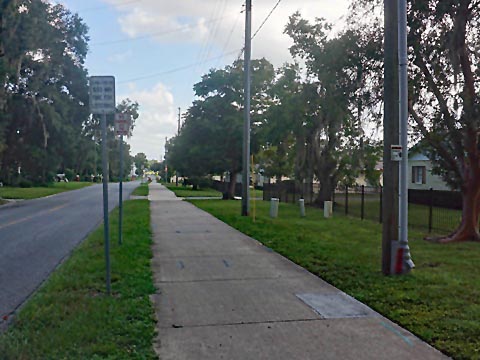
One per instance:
(141,163)
(43,88)
(444,98)
(341,84)
(444,40)
(210,141)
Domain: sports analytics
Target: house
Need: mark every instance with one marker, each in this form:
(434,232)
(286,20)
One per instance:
(420,175)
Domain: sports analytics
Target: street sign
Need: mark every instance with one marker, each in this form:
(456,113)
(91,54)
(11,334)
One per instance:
(122,124)
(102,94)
(396,152)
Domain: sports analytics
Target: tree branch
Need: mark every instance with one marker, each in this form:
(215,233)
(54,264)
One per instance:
(438,145)
(449,120)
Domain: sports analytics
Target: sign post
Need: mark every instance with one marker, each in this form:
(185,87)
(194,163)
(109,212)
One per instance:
(122,127)
(102,102)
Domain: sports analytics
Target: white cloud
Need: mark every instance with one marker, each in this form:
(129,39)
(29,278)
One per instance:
(156,121)
(209,23)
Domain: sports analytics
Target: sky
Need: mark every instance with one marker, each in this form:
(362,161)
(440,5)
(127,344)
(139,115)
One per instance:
(158,49)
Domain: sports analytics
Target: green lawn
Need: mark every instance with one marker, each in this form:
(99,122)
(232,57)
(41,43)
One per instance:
(187,191)
(70,317)
(7,192)
(438,301)
(141,190)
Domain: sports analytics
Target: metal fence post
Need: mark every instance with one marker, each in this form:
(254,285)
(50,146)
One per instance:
(346,199)
(430,212)
(362,215)
(333,199)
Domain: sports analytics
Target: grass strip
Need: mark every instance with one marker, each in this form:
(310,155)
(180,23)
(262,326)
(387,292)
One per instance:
(8,192)
(187,191)
(70,317)
(141,190)
(438,301)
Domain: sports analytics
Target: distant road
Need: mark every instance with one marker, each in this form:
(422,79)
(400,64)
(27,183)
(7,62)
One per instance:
(36,235)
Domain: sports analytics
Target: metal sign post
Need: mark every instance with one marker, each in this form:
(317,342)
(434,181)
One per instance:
(122,127)
(102,102)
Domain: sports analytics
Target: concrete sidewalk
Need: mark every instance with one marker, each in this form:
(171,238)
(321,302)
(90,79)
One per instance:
(223,295)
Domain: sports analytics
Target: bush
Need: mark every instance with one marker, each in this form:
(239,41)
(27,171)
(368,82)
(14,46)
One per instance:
(24,183)
(69,174)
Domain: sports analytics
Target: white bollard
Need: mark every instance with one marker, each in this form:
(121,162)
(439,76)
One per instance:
(327,209)
(301,202)
(274,207)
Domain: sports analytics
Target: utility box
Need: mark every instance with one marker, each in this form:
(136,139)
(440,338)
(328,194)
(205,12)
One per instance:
(274,207)
(327,209)
(401,259)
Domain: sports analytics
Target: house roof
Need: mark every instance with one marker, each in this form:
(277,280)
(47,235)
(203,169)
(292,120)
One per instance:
(418,157)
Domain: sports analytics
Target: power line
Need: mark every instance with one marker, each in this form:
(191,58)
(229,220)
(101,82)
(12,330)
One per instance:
(175,70)
(261,26)
(160,33)
(266,19)
(215,31)
(227,42)
(206,40)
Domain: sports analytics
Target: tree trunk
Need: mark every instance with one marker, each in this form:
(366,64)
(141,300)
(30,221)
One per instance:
(233,183)
(468,230)
(326,190)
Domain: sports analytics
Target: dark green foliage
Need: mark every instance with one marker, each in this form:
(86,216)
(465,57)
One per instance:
(210,141)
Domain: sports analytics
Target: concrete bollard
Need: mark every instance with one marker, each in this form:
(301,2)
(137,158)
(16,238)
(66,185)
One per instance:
(327,209)
(274,207)
(301,202)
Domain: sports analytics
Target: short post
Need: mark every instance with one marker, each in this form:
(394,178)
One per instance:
(327,209)
(346,199)
(274,207)
(362,215)
(301,202)
(430,212)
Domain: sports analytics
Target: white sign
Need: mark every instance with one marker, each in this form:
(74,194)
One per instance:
(102,94)
(122,124)
(396,152)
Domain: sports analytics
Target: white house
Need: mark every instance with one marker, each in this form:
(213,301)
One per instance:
(420,174)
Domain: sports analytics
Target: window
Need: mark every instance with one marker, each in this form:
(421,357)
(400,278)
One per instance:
(419,174)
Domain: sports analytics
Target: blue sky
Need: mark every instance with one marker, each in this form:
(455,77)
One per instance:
(143,43)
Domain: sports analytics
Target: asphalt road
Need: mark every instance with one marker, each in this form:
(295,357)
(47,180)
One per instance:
(36,235)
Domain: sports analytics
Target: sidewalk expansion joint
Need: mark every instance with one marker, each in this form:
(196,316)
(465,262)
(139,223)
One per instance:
(225,280)
(178,326)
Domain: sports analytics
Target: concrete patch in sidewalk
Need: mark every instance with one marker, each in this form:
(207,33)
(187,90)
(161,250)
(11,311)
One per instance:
(336,306)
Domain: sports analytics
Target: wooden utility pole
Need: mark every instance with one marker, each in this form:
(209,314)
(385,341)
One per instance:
(390,134)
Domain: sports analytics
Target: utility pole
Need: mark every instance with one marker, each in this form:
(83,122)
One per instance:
(178,133)
(390,134)
(246,124)
(403,262)
(166,168)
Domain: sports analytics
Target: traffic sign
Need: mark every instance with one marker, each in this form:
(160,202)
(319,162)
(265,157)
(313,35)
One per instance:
(122,124)
(102,94)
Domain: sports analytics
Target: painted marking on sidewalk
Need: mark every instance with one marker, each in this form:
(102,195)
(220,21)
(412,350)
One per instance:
(32,216)
(396,332)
